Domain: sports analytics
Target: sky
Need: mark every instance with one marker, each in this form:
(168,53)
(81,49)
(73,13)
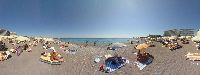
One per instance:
(98,18)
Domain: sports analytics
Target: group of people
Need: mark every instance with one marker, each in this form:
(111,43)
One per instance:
(198,45)
(7,53)
(20,49)
(144,57)
(52,56)
(171,44)
(184,41)
(3,46)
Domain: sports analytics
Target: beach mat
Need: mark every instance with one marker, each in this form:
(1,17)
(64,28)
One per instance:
(140,65)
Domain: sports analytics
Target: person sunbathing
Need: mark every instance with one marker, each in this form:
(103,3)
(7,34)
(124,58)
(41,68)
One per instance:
(4,55)
(25,47)
(13,50)
(142,57)
(56,57)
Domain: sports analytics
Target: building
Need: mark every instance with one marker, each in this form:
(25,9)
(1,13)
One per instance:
(174,32)
(179,32)
(186,32)
(4,32)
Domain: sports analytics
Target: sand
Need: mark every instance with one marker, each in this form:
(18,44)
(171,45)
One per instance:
(166,62)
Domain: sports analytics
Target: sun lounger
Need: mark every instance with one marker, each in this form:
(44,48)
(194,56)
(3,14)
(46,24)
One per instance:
(193,56)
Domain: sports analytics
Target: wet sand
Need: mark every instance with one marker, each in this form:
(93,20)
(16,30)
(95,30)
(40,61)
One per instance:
(166,62)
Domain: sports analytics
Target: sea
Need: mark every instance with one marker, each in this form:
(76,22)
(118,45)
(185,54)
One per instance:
(97,40)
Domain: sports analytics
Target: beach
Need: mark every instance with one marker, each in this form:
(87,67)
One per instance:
(166,62)
(99,37)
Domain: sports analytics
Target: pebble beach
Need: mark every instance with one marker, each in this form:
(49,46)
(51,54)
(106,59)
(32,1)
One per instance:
(165,62)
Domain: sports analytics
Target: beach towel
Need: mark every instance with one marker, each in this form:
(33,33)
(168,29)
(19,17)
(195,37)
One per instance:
(140,65)
(19,50)
(97,60)
(114,63)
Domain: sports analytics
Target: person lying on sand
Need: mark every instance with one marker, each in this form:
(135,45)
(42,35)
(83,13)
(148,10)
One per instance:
(55,56)
(142,57)
(4,55)
(13,50)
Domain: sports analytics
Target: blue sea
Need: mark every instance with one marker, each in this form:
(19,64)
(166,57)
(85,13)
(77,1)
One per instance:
(98,40)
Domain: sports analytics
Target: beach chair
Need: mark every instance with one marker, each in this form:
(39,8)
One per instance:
(193,56)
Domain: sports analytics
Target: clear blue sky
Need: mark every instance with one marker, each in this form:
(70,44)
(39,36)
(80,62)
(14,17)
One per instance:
(98,18)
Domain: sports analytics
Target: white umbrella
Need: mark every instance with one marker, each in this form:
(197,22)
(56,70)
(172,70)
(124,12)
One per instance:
(196,38)
(48,39)
(38,38)
(172,37)
(21,38)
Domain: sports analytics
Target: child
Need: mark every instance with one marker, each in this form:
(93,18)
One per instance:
(101,67)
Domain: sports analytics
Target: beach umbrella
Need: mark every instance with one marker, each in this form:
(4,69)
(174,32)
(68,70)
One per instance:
(196,39)
(21,38)
(142,46)
(48,39)
(5,37)
(188,37)
(172,38)
(38,38)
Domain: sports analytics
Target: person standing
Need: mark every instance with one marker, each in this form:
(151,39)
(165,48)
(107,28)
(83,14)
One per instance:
(95,43)
(86,43)
(198,46)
